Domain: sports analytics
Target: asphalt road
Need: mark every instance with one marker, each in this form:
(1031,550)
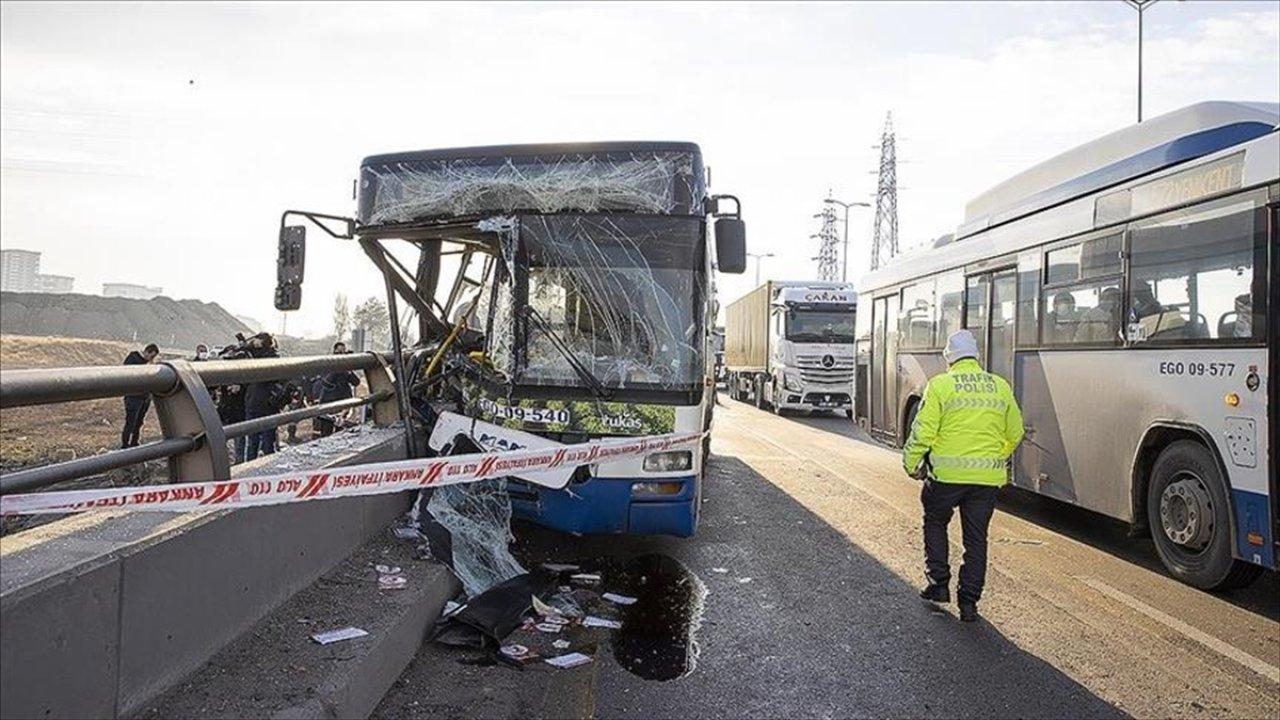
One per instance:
(802,586)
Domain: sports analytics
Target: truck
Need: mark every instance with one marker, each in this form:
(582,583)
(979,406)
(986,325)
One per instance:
(576,303)
(789,345)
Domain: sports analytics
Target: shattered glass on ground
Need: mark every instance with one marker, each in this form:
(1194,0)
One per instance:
(477,517)
(638,182)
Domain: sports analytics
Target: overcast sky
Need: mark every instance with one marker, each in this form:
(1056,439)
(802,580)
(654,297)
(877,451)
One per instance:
(158,144)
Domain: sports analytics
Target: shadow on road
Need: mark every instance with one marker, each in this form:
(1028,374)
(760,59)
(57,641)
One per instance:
(798,622)
(1093,529)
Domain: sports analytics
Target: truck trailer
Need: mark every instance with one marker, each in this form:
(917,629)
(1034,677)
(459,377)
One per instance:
(789,345)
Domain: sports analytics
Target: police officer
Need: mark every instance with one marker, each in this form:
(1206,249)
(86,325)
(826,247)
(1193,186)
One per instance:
(961,440)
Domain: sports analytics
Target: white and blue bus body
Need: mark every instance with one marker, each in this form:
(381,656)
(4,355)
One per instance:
(1128,291)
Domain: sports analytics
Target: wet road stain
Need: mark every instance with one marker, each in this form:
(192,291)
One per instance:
(658,638)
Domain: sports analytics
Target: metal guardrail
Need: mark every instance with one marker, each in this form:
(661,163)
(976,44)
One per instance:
(195,440)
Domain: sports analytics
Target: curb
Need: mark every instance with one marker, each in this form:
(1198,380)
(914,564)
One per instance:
(353,689)
(276,670)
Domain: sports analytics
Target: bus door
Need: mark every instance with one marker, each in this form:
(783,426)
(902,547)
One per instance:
(990,299)
(884,366)
(1273,362)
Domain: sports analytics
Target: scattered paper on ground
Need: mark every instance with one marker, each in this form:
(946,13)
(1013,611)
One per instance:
(333,636)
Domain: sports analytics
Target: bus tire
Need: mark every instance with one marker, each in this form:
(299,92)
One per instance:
(1189,514)
(912,411)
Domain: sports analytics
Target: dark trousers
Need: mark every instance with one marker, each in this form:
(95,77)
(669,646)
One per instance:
(135,411)
(260,443)
(976,503)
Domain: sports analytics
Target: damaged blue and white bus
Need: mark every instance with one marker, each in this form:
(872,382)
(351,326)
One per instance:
(562,294)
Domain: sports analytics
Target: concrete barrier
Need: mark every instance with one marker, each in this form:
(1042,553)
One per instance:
(102,612)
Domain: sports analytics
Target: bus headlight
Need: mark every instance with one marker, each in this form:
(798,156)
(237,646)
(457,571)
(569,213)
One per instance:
(657,488)
(668,461)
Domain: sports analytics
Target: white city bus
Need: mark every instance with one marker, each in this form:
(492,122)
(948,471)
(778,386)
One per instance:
(1128,290)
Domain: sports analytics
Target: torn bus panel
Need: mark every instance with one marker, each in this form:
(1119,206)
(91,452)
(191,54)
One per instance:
(418,186)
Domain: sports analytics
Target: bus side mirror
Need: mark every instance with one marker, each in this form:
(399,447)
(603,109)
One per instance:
(290,264)
(731,245)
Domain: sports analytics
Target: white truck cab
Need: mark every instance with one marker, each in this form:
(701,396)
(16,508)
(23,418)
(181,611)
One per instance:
(790,346)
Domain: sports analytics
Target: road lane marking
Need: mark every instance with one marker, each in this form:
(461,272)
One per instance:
(1259,666)
(824,467)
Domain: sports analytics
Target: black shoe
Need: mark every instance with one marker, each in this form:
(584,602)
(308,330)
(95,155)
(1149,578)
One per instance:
(968,612)
(936,592)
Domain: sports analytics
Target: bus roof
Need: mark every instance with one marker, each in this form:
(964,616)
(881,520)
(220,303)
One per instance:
(534,150)
(1259,157)
(1174,137)
(431,186)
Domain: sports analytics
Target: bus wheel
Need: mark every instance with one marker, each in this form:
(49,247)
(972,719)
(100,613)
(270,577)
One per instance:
(1189,516)
(912,412)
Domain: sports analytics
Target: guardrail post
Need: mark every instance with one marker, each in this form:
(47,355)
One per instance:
(189,411)
(380,379)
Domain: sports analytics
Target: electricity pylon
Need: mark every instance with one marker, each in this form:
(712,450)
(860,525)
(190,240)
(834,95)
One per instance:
(828,244)
(884,241)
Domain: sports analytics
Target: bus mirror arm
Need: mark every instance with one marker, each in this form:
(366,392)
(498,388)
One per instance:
(292,253)
(711,206)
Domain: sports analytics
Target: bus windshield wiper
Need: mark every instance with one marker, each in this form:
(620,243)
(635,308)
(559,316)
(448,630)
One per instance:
(592,382)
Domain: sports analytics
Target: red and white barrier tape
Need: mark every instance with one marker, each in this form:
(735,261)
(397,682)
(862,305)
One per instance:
(371,479)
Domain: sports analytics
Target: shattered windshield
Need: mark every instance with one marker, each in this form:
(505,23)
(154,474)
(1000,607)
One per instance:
(621,292)
(826,326)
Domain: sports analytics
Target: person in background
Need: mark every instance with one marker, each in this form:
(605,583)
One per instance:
(230,402)
(1102,323)
(264,398)
(334,386)
(202,353)
(135,406)
(1060,322)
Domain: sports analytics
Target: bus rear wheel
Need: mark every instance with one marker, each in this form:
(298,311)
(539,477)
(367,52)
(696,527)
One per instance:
(912,412)
(1189,515)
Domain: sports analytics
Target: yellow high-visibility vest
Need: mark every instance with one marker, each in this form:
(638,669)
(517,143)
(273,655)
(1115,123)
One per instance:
(969,423)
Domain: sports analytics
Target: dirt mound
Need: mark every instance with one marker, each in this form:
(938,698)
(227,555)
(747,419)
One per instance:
(167,322)
(23,351)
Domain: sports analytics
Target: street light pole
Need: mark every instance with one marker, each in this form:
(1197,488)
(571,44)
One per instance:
(844,271)
(759,257)
(1140,6)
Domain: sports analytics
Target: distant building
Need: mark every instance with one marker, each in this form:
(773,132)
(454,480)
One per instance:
(18,270)
(131,291)
(59,284)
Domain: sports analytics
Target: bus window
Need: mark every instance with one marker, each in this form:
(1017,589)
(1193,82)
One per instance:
(862,317)
(1091,259)
(975,311)
(950,299)
(1000,354)
(1087,314)
(1198,275)
(917,316)
(1028,295)
(1078,309)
